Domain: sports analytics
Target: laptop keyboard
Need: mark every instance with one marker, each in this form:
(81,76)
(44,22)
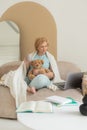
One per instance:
(60,85)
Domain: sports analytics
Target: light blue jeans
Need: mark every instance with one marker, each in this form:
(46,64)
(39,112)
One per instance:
(39,81)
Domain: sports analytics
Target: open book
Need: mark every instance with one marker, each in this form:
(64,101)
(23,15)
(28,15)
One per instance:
(35,106)
(58,99)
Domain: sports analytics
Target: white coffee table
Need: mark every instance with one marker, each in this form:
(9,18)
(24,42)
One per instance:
(64,118)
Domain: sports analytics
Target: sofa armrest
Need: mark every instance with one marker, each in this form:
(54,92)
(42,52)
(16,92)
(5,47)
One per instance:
(67,67)
(5,68)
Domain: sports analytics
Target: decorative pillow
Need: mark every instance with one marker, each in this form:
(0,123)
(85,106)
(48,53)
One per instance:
(7,104)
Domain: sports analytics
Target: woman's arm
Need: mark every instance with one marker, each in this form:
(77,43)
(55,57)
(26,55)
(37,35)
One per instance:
(50,74)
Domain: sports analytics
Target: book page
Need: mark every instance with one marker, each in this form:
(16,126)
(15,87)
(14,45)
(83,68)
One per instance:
(42,106)
(58,99)
(27,107)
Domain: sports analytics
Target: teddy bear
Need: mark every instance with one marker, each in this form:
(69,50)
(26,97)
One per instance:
(37,68)
(84,84)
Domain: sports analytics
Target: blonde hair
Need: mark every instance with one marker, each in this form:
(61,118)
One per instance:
(39,41)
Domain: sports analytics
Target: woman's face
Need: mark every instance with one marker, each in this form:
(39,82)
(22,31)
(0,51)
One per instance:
(42,48)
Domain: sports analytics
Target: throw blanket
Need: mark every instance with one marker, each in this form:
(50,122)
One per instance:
(15,81)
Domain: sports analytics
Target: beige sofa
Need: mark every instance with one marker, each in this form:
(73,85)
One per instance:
(7,107)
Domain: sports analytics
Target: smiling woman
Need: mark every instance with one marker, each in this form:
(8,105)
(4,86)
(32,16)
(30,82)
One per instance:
(9,42)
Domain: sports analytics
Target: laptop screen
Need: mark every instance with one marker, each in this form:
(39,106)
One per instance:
(74,80)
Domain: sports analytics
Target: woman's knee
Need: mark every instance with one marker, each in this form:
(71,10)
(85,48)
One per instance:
(40,81)
(42,78)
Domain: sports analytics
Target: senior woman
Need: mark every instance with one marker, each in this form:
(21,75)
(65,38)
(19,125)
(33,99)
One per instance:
(47,79)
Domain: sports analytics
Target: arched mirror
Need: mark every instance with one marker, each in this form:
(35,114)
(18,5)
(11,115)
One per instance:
(9,42)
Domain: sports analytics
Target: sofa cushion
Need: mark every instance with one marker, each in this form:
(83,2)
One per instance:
(43,93)
(7,104)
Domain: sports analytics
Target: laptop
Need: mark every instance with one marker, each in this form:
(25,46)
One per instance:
(74,80)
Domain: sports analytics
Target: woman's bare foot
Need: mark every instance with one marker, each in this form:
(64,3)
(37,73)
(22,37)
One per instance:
(31,90)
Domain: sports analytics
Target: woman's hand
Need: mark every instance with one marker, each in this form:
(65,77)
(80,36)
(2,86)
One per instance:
(50,75)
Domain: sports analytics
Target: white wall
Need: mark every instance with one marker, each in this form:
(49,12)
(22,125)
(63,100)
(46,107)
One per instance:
(9,43)
(71,20)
